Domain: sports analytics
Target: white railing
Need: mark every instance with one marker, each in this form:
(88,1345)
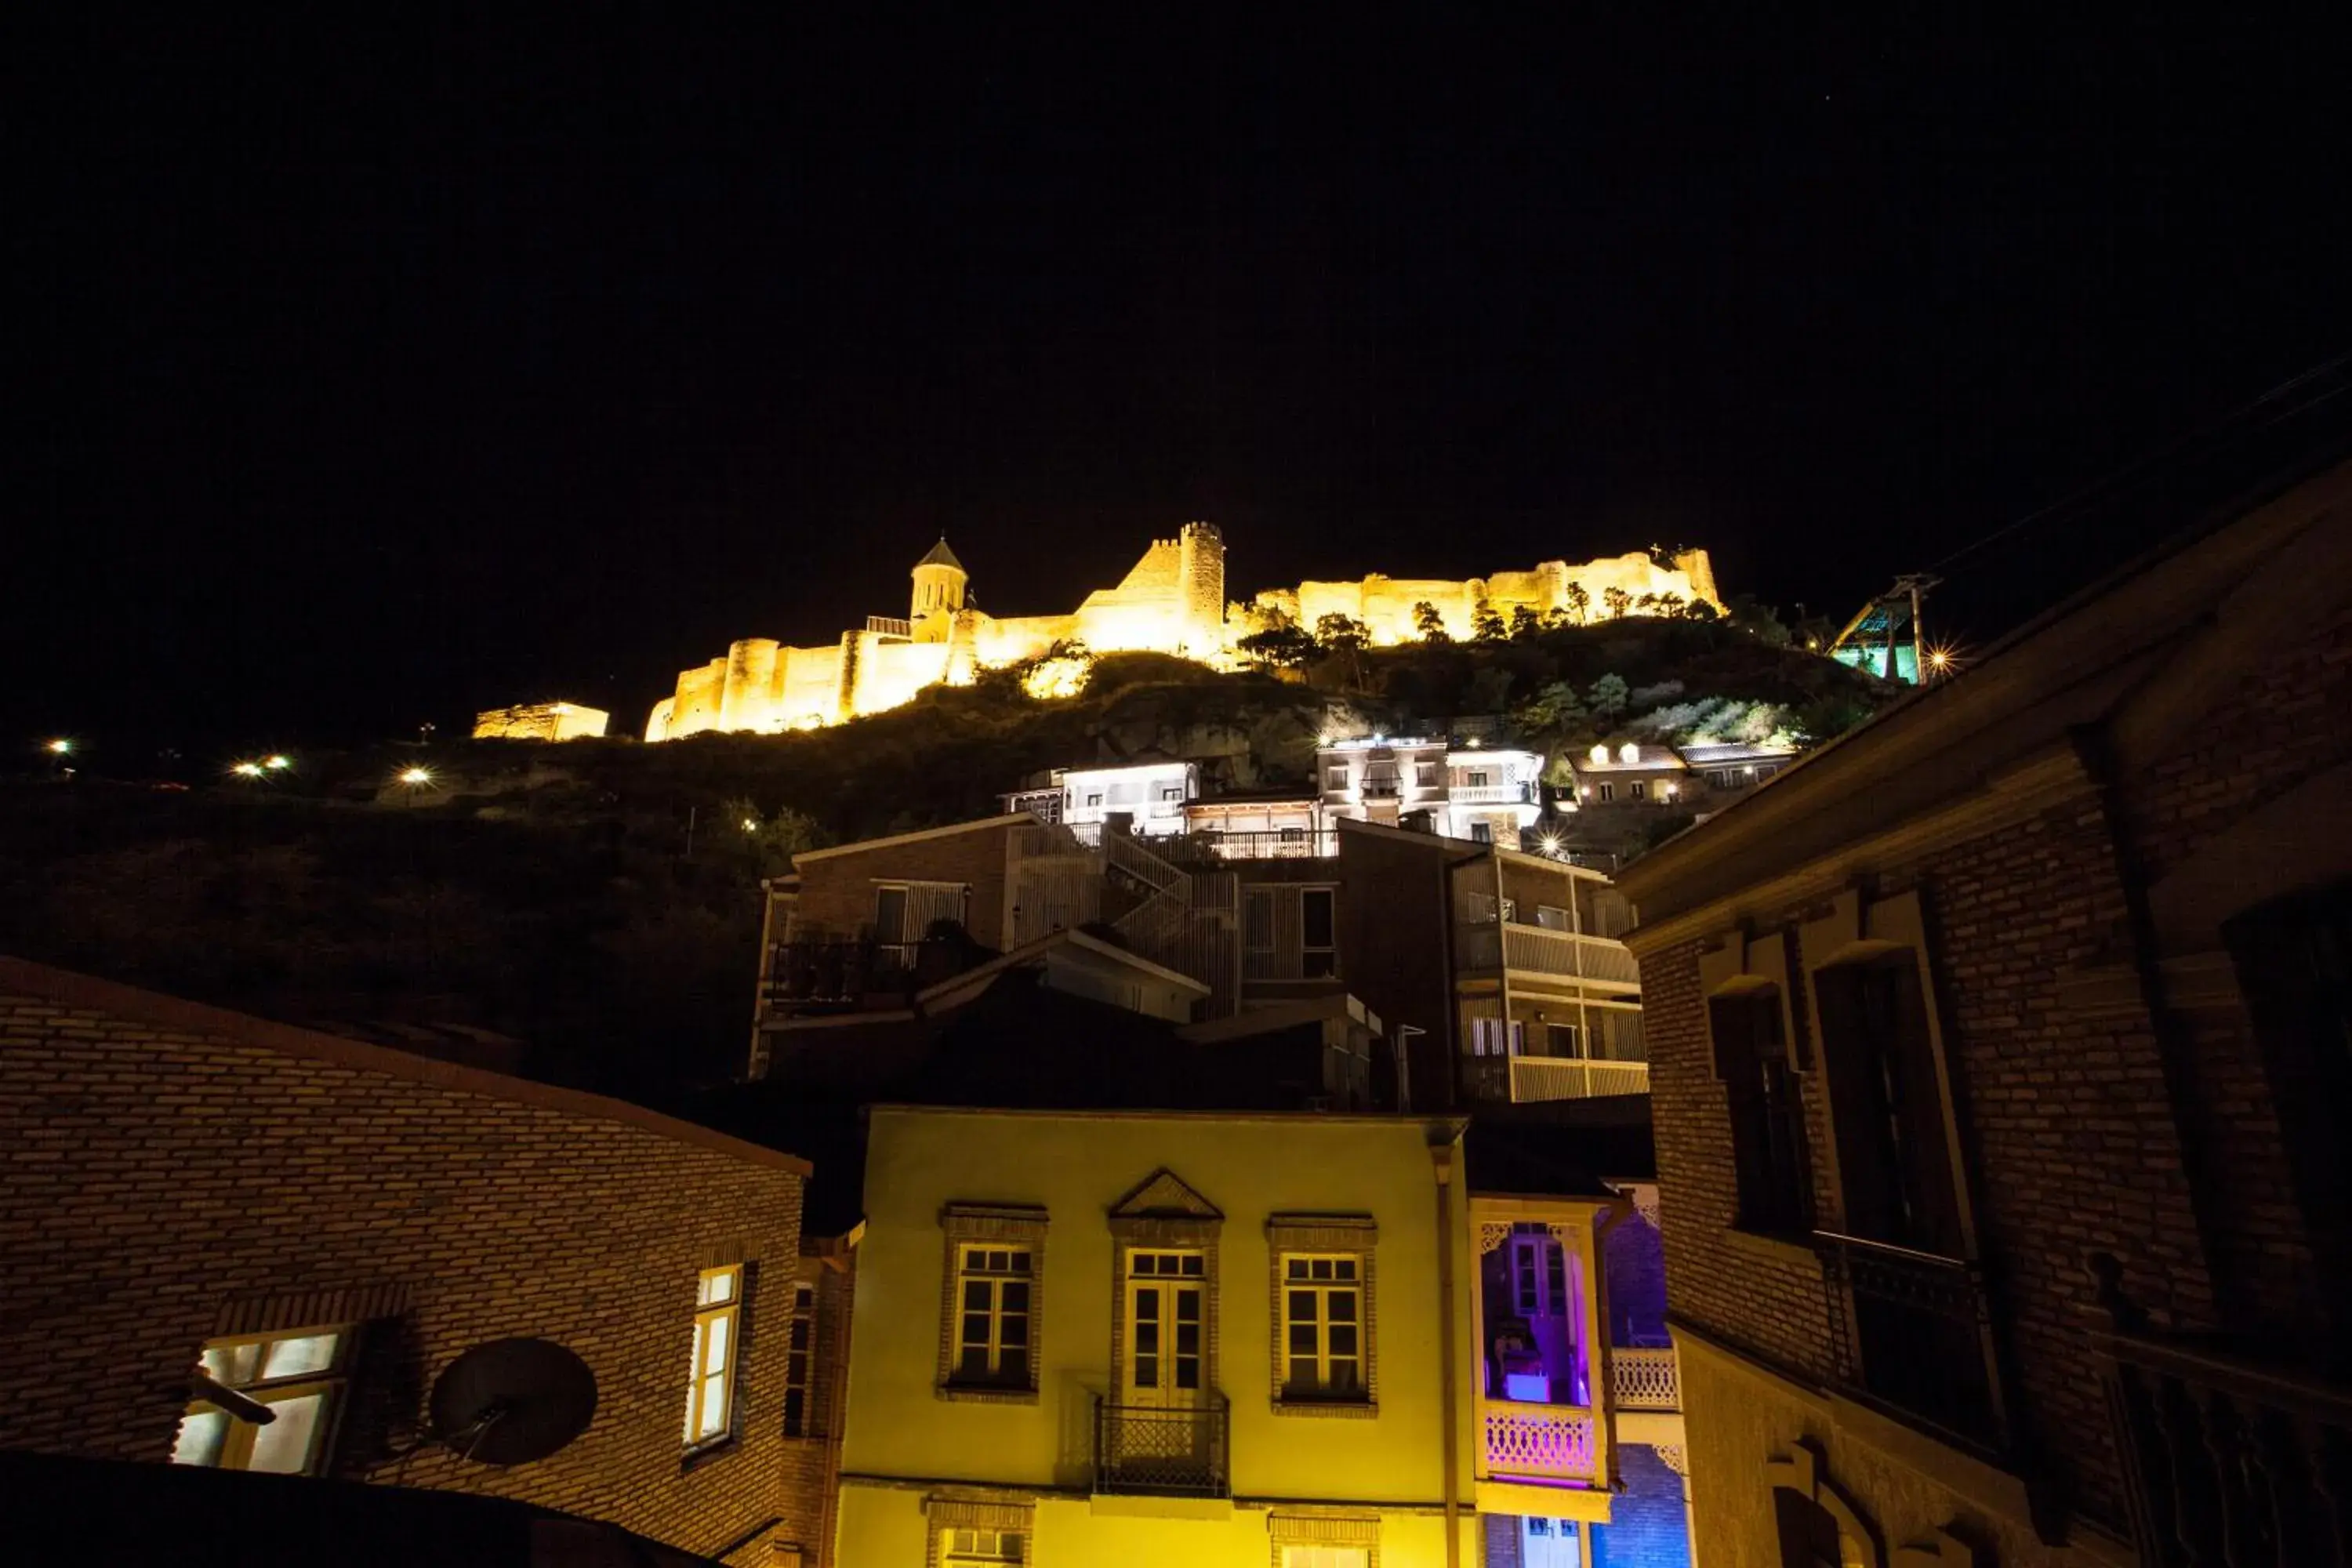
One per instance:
(1538,950)
(1272,844)
(1537,1442)
(1492,795)
(1573,1078)
(1644,1380)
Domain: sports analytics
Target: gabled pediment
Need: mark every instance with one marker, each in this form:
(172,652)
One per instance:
(1164,1195)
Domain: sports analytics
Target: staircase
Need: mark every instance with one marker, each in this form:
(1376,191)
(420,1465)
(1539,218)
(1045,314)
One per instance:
(1178,918)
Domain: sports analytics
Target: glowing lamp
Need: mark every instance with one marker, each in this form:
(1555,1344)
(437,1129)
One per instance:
(277,764)
(60,747)
(416,777)
(751,824)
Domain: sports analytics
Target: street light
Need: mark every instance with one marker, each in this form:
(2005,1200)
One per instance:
(60,747)
(245,769)
(417,778)
(277,764)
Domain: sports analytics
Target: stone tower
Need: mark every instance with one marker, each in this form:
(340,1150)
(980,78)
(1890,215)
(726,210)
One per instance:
(1201,579)
(939,594)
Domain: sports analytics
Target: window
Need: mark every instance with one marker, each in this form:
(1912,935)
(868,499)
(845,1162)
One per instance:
(1641,789)
(1318,941)
(1605,791)
(1547,1543)
(992,1317)
(1323,1314)
(1326,1557)
(1166,1326)
(1887,1105)
(1425,775)
(890,914)
(1171,791)
(1551,917)
(1478,779)
(1335,778)
(710,1386)
(1539,1274)
(1482,833)
(1560,1040)
(1720,777)
(1767,1117)
(971,1547)
(1489,1038)
(797,1361)
(1095,798)
(298,1373)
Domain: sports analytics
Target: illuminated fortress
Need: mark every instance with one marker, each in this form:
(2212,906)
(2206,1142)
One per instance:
(1172,602)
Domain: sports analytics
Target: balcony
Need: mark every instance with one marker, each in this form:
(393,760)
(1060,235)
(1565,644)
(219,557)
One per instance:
(1271,843)
(1163,1450)
(1545,953)
(817,977)
(1644,1380)
(1493,794)
(1918,1339)
(2226,1460)
(1548,1445)
(1574,1077)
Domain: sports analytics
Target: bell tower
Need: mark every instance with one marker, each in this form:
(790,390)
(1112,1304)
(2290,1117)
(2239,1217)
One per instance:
(939,594)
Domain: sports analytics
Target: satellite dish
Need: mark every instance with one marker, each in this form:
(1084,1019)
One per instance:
(513,1401)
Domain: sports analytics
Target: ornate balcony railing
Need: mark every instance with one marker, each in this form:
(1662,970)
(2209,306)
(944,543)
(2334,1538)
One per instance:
(2227,1460)
(1270,843)
(1644,1380)
(1164,1450)
(1543,1443)
(1493,794)
(1918,1338)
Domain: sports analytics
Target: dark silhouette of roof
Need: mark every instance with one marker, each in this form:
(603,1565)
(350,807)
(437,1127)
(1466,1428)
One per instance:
(941,555)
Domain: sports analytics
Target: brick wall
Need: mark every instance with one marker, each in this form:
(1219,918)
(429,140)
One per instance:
(1634,1261)
(812,1463)
(837,890)
(1647,1526)
(1393,950)
(2072,1147)
(165,1163)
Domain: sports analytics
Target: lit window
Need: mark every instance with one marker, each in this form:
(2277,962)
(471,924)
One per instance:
(971,1547)
(991,1317)
(1323,1317)
(1539,1274)
(710,1387)
(298,1375)
(797,1361)
(1336,778)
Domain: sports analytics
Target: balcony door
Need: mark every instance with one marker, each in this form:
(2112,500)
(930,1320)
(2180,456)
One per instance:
(1167,1329)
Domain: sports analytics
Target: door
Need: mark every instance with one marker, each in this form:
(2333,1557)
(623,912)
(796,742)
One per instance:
(1165,1437)
(1547,1543)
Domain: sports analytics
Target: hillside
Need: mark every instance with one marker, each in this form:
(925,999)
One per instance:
(599,899)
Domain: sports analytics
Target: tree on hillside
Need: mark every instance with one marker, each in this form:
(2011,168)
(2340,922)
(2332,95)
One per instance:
(1281,645)
(1579,602)
(1700,610)
(1430,624)
(1554,717)
(1486,622)
(1607,698)
(1617,601)
(1670,604)
(1525,623)
(1344,637)
(1647,605)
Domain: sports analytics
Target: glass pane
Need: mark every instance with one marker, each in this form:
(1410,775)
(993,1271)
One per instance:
(1015,1296)
(235,1366)
(1343,1306)
(1295,1268)
(1302,1307)
(1188,1338)
(1343,1338)
(974,1362)
(975,1328)
(1188,1371)
(1188,1305)
(976,1295)
(283,1447)
(1192,1266)
(291,1358)
(1018,1263)
(201,1434)
(1346,1268)
(1147,1306)
(718,1288)
(1147,1338)
(721,1333)
(1146,1372)
(714,1407)
(1302,1339)
(1013,1331)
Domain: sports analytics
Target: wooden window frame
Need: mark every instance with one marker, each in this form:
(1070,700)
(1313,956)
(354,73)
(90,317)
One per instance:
(709,1310)
(1012,1227)
(333,1382)
(1311,1236)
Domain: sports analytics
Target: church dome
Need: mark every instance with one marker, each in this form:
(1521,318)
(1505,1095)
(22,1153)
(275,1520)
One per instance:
(940,555)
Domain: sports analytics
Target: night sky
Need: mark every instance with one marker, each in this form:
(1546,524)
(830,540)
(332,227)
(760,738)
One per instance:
(368,376)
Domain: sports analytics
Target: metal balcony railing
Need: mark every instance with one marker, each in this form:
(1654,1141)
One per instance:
(1918,1339)
(1574,1077)
(1539,950)
(1270,843)
(2227,1460)
(1163,1450)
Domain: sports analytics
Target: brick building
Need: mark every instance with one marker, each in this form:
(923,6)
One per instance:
(1998,1072)
(330,1223)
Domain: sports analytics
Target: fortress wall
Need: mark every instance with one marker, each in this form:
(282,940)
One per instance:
(1023,636)
(695,706)
(1159,572)
(890,672)
(808,686)
(745,702)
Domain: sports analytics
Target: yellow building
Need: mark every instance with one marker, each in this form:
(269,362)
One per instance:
(1172,602)
(1199,1339)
